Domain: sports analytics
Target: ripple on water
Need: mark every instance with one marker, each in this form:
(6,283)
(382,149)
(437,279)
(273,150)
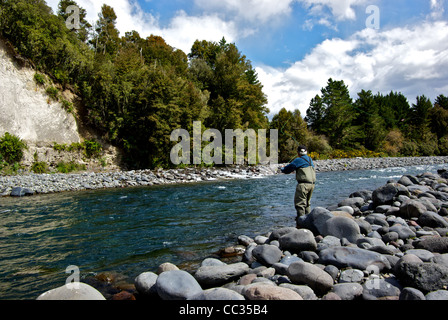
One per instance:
(135,230)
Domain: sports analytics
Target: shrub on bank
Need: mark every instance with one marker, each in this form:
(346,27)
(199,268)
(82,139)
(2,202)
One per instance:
(68,167)
(40,167)
(90,148)
(11,148)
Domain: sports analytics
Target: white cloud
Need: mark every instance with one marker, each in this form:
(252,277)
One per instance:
(184,30)
(341,10)
(329,12)
(259,11)
(437,8)
(411,60)
(181,32)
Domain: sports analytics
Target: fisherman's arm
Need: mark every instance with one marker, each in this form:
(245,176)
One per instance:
(293,166)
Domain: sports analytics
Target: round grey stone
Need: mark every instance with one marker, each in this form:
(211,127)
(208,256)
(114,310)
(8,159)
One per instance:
(177,285)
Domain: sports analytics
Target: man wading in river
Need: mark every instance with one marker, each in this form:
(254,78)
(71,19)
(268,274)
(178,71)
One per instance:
(306,178)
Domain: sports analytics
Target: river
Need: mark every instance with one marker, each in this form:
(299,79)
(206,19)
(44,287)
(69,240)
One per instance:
(136,229)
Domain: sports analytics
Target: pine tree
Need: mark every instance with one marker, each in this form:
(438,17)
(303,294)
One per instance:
(370,127)
(339,114)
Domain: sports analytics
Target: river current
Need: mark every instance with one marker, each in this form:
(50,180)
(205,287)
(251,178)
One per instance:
(134,230)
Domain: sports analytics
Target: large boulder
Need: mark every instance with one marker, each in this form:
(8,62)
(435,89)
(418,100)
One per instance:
(345,257)
(313,276)
(432,220)
(217,275)
(267,254)
(303,290)
(353,202)
(380,289)
(21,192)
(348,291)
(412,209)
(145,283)
(441,295)
(409,293)
(260,291)
(439,245)
(365,194)
(406,181)
(297,241)
(342,227)
(278,233)
(219,294)
(384,194)
(404,232)
(424,276)
(315,221)
(72,291)
(177,285)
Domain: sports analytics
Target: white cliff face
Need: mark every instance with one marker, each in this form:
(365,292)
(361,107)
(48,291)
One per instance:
(26,110)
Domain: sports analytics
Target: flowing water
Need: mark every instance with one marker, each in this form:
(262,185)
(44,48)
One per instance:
(135,230)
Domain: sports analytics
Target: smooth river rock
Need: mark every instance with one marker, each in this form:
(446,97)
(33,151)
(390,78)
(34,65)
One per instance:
(73,291)
(297,241)
(311,275)
(177,285)
(209,276)
(344,257)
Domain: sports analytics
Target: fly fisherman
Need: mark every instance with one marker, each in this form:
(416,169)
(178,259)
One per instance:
(306,178)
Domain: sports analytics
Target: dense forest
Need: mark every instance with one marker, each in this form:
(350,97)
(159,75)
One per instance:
(138,90)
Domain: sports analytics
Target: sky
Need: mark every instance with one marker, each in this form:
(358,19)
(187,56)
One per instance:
(297,45)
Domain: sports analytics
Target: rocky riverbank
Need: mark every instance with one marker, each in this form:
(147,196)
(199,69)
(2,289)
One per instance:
(30,184)
(375,163)
(385,244)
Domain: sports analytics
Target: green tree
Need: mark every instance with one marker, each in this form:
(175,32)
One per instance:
(339,114)
(106,39)
(420,130)
(315,115)
(370,126)
(442,101)
(419,117)
(43,39)
(439,123)
(236,96)
(394,109)
(292,133)
(438,117)
(85,26)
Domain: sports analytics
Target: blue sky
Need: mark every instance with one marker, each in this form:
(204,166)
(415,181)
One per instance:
(297,45)
(282,41)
